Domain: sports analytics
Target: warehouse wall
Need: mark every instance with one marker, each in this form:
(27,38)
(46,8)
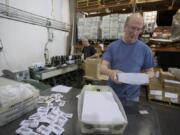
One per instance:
(23,43)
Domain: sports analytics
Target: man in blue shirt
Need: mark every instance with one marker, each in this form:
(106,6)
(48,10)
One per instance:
(128,55)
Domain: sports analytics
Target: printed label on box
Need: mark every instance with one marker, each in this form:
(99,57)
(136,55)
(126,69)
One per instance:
(156,92)
(171,95)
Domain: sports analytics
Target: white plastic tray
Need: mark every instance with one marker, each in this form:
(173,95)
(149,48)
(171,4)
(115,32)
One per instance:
(98,127)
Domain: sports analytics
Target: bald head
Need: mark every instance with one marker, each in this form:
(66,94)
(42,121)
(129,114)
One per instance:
(85,41)
(134,17)
(133,27)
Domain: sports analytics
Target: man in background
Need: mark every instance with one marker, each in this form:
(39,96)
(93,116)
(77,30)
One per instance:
(88,51)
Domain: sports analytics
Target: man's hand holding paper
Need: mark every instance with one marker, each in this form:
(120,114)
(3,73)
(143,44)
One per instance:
(114,75)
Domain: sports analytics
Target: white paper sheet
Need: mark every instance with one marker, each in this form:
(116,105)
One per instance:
(143,112)
(61,88)
(133,78)
(101,108)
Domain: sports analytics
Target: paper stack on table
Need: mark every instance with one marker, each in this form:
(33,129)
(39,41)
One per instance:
(61,88)
(101,108)
(133,78)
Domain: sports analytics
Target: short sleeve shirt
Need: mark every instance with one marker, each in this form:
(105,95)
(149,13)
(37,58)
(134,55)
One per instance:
(129,58)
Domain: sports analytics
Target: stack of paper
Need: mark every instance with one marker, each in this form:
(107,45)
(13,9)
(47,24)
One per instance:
(133,78)
(61,88)
(101,108)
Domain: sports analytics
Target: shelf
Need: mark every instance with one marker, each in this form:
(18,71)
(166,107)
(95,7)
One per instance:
(105,7)
(27,17)
(166,49)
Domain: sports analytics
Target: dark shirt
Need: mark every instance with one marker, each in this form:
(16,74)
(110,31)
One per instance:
(88,51)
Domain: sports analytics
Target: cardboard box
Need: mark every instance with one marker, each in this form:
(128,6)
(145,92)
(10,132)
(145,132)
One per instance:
(171,83)
(156,94)
(165,90)
(171,89)
(154,83)
(166,75)
(155,89)
(92,69)
(172,97)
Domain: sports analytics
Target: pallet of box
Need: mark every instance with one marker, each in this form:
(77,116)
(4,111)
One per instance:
(156,91)
(92,69)
(164,87)
(171,87)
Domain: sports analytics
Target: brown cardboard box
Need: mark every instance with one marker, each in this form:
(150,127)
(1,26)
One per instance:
(92,69)
(155,89)
(157,69)
(166,91)
(172,97)
(166,75)
(171,83)
(155,84)
(171,89)
(156,94)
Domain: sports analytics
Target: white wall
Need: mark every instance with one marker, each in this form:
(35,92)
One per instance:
(23,44)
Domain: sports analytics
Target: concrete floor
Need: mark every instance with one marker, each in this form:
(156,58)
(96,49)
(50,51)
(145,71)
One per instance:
(169,116)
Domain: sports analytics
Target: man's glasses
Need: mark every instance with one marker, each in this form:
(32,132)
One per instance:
(131,28)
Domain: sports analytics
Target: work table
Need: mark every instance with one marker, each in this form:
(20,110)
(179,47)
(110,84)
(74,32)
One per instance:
(138,124)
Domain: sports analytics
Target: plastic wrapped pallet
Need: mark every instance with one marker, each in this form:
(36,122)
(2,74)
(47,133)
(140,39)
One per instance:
(97,117)
(16,99)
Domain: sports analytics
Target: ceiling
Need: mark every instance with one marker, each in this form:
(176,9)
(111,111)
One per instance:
(105,7)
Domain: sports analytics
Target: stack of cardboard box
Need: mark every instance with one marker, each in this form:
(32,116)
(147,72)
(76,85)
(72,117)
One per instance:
(166,87)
